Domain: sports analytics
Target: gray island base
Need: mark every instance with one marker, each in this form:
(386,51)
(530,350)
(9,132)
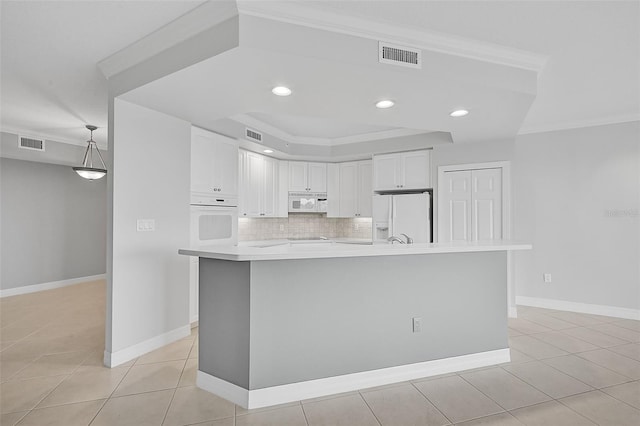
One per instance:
(281,330)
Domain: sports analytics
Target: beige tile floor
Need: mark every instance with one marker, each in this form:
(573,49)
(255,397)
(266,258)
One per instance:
(566,369)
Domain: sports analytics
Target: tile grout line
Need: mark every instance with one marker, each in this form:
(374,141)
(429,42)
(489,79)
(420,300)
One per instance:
(111,394)
(594,387)
(618,399)
(304,413)
(431,402)
(369,407)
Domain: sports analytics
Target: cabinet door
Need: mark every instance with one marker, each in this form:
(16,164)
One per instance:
(297,176)
(254,185)
(270,187)
(454,213)
(242,183)
(386,170)
(365,189)
(225,166)
(333,190)
(202,155)
(317,177)
(416,170)
(348,189)
(282,210)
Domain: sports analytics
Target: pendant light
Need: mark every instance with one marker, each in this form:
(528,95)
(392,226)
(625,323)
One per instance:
(87,170)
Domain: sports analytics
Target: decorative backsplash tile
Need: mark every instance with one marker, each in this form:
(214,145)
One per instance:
(303,225)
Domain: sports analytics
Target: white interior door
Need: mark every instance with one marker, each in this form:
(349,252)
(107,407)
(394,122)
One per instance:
(487,204)
(455,207)
(471,205)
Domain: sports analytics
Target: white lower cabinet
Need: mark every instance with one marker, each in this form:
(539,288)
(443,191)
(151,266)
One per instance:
(353,190)
(260,194)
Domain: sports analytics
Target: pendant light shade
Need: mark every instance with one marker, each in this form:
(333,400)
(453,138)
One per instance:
(87,170)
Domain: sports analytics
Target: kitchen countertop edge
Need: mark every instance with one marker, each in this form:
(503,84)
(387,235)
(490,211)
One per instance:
(287,252)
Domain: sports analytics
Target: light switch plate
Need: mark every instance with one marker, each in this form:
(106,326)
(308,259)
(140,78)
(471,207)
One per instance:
(146,225)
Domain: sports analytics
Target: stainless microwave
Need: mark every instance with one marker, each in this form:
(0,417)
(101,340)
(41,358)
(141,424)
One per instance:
(307,202)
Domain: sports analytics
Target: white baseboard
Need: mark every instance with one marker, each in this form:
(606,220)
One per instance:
(113,359)
(583,308)
(349,382)
(48,286)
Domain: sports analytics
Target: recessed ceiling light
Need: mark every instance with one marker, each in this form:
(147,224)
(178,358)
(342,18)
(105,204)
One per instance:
(268,151)
(386,103)
(281,91)
(459,113)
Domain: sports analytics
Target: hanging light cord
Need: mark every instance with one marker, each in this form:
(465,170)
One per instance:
(88,154)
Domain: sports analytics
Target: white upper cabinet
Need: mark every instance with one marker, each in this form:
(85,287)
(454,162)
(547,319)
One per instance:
(259,188)
(355,189)
(365,189)
(307,177)
(402,171)
(214,163)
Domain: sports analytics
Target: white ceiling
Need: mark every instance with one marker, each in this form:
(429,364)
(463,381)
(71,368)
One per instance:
(50,83)
(51,86)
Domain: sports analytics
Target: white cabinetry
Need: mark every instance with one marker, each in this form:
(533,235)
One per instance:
(214,163)
(307,177)
(355,189)
(260,194)
(402,171)
(350,189)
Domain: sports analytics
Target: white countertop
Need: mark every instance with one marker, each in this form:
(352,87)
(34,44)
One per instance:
(285,250)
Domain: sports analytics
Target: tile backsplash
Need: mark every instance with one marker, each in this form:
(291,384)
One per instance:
(303,225)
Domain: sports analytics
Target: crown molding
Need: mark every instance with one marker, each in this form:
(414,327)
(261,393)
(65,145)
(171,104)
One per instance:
(262,126)
(298,14)
(576,124)
(197,20)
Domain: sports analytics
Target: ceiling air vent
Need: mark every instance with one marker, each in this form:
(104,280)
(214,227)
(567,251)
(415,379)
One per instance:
(399,55)
(252,135)
(27,142)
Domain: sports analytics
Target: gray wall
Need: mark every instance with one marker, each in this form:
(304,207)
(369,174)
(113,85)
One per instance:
(52,224)
(577,201)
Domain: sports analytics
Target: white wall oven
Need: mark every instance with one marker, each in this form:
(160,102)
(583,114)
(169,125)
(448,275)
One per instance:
(214,221)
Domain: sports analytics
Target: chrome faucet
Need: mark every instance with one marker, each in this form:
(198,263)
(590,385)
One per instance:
(393,238)
(409,239)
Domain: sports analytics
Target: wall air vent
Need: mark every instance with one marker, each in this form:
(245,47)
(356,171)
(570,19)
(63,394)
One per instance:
(27,142)
(399,55)
(253,135)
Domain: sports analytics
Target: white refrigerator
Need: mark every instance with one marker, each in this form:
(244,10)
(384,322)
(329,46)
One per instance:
(408,214)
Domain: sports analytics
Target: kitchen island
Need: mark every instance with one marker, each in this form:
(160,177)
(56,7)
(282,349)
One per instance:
(286,322)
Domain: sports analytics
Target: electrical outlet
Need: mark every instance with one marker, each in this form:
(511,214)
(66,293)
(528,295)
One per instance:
(282,227)
(356,226)
(547,278)
(145,225)
(417,325)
